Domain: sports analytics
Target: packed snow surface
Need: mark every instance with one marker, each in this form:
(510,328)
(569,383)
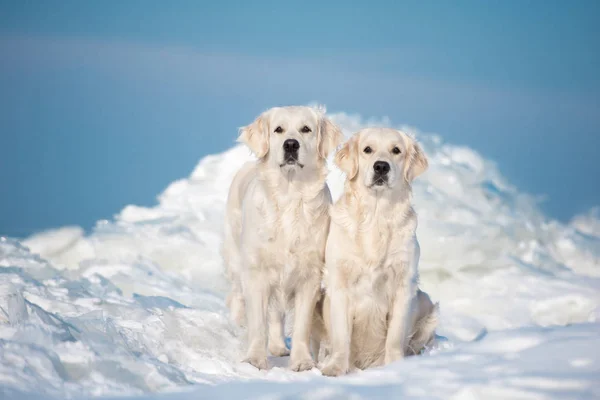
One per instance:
(137,307)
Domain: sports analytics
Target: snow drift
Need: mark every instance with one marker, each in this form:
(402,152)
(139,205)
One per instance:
(137,307)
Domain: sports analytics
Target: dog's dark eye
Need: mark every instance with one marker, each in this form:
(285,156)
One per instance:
(279,129)
(305,129)
(396,150)
(368,150)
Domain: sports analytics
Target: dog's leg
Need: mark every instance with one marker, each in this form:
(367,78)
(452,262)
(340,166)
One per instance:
(257,302)
(276,314)
(319,331)
(230,252)
(315,345)
(325,323)
(235,302)
(304,305)
(398,327)
(340,333)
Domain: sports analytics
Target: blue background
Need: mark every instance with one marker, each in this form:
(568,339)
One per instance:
(103,103)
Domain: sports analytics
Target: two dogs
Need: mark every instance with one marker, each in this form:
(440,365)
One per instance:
(284,238)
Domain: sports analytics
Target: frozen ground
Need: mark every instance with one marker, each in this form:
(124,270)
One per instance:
(137,307)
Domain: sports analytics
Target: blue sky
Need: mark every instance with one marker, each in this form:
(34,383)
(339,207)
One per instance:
(103,103)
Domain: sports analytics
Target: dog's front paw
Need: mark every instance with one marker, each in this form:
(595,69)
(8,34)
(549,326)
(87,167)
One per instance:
(334,369)
(303,364)
(256,361)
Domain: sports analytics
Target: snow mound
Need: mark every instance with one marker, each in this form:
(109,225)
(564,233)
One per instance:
(137,307)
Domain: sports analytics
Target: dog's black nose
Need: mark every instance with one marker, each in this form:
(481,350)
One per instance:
(381,167)
(291,146)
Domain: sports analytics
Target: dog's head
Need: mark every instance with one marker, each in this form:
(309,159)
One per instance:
(292,138)
(381,159)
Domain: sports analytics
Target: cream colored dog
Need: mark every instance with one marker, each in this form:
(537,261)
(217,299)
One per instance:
(276,229)
(373,310)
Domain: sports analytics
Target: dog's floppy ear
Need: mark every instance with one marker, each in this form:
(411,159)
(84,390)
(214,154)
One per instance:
(256,136)
(416,161)
(347,158)
(330,136)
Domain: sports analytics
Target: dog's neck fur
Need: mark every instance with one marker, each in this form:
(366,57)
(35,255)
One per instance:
(306,183)
(388,209)
(387,203)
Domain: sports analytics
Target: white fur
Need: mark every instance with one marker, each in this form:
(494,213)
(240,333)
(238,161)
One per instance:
(275,231)
(373,311)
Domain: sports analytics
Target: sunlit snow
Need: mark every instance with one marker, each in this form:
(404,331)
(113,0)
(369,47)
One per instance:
(137,306)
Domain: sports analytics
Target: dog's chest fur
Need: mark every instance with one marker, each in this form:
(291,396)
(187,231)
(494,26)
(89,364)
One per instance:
(379,259)
(380,253)
(294,231)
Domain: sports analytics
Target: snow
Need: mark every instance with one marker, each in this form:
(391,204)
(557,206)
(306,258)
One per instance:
(137,306)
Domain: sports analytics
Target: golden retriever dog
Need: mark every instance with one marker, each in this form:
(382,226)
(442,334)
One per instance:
(374,313)
(276,228)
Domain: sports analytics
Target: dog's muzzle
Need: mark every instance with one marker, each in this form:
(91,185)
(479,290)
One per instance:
(290,152)
(380,175)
